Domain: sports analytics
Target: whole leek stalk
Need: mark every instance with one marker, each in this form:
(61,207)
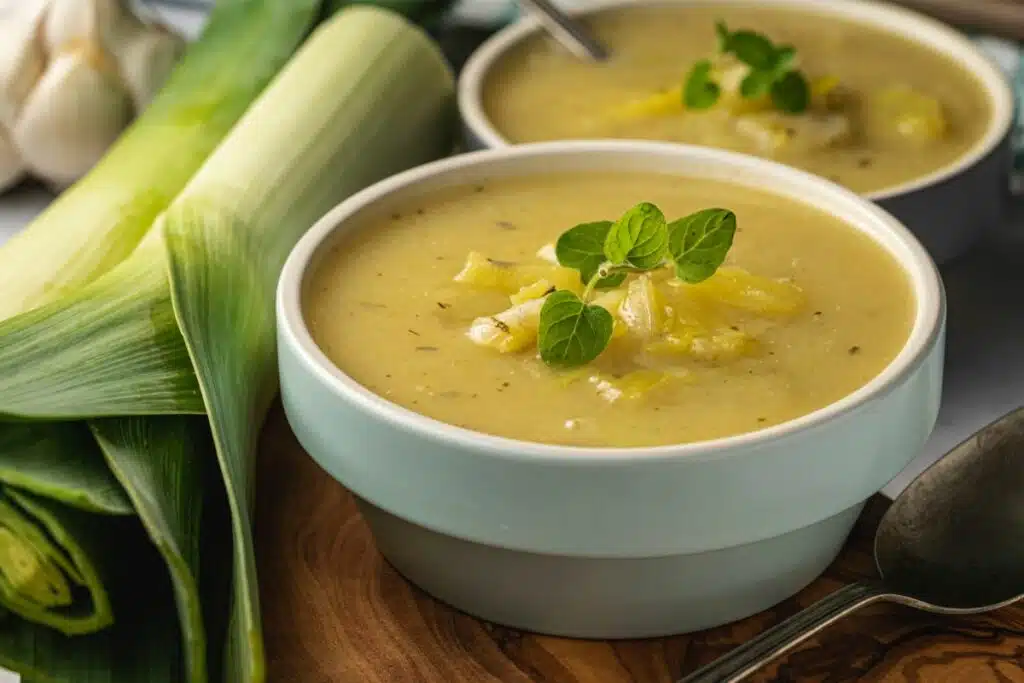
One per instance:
(97,222)
(113,484)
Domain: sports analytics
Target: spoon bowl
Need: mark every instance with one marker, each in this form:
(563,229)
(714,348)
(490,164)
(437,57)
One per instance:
(948,544)
(945,540)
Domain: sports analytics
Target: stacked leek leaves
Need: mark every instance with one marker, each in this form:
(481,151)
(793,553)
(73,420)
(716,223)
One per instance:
(137,339)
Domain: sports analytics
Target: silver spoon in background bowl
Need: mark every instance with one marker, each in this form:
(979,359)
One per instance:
(951,543)
(569,32)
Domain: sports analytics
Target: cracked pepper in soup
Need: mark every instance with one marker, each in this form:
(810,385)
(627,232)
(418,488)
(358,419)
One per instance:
(864,107)
(608,309)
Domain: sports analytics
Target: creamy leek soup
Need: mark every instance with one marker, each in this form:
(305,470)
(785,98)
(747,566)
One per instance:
(878,109)
(439,307)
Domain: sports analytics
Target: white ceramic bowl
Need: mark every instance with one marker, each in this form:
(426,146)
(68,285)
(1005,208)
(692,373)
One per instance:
(948,209)
(603,542)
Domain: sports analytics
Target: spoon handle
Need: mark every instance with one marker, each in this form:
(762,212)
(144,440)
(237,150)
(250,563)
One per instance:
(755,653)
(571,34)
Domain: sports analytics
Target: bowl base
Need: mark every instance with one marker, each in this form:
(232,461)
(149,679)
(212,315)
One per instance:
(608,598)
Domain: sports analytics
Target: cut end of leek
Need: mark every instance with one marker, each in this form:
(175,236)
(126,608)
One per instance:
(45,576)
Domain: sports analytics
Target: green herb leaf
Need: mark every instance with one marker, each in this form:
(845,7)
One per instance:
(571,332)
(639,238)
(722,31)
(785,56)
(756,84)
(582,248)
(771,71)
(700,91)
(699,242)
(752,49)
(791,93)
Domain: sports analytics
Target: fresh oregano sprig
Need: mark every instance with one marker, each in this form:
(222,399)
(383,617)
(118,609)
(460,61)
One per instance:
(771,72)
(574,332)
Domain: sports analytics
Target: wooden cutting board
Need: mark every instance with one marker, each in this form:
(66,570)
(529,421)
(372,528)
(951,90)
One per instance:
(335,612)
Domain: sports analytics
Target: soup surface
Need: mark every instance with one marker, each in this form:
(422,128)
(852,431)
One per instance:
(804,311)
(882,110)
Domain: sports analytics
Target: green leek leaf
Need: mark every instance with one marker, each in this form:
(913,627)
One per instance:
(60,461)
(159,461)
(79,356)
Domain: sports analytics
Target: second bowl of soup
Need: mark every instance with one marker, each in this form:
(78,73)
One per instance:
(886,102)
(610,389)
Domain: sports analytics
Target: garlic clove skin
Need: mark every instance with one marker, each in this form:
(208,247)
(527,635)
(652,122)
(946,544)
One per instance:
(71,21)
(22,59)
(12,171)
(146,58)
(75,113)
(144,53)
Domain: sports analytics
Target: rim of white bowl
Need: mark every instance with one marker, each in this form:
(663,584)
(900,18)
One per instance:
(914,26)
(921,270)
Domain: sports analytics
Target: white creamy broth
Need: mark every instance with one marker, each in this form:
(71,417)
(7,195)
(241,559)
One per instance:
(900,110)
(805,311)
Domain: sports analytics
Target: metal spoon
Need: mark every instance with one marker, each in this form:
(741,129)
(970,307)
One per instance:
(949,544)
(572,35)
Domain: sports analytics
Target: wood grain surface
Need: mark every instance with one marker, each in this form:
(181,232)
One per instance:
(335,612)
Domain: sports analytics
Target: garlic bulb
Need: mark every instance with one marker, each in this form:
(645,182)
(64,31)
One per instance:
(73,75)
